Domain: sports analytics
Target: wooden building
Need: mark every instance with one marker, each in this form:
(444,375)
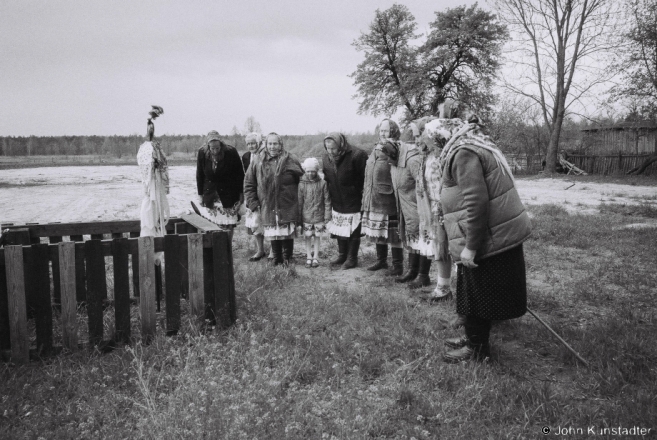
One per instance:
(627,138)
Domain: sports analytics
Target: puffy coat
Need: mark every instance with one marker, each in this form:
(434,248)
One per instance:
(226,180)
(481,206)
(404,176)
(272,185)
(314,200)
(378,195)
(345,179)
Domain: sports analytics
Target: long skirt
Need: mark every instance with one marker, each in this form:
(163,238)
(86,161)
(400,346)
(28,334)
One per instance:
(381,228)
(253,223)
(496,289)
(420,244)
(343,225)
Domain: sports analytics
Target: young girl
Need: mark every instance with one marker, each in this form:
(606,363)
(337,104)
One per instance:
(314,208)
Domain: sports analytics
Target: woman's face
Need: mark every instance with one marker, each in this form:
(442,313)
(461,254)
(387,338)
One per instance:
(332,147)
(274,145)
(384,130)
(252,145)
(312,174)
(215,148)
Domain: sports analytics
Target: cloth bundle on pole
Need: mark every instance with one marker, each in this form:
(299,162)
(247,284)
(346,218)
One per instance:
(154,213)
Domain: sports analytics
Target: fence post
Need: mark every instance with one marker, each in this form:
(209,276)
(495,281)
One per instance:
(66,254)
(20,349)
(120,256)
(224,284)
(96,289)
(40,274)
(146,259)
(172,278)
(195,275)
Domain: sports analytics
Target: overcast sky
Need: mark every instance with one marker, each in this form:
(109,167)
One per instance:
(95,67)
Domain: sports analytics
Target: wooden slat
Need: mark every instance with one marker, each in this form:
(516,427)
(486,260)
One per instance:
(77,238)
(195,274)
(68,295)
(172,274)
(20,349)
(200,223)
(40,275)
(30,296)
(117,234)
(184,273)
(222,279)
(208,285)
(121,254)
(56,293)
(97,236)
(96,289)
(80,273)
(134,258)
(4,306)
(17,236)
(147,288)
(81,228)
(158,284)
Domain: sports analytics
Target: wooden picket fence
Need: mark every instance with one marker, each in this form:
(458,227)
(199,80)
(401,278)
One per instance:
(198,267)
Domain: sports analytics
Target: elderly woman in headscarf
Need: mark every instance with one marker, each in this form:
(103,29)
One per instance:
(252,219)
(379,205)
(405,171)
(486,225)
(271,188)
(344,171)
(219,181)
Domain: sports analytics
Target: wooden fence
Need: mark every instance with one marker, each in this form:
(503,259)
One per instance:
(198,267)
(611,164)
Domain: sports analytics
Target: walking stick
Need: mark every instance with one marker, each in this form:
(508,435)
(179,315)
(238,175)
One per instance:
(559,338)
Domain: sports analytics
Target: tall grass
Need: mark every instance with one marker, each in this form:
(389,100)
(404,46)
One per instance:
(311,358)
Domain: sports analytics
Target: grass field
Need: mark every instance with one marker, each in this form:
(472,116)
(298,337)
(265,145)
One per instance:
(322,354)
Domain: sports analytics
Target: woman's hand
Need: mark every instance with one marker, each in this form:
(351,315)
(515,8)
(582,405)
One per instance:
(467,258)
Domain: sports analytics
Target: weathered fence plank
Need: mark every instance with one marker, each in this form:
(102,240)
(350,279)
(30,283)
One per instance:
(147,288)
(80,273)
(184,267)
(96,289)
(121,252)
(134,258)
(172,278)
(40,275)
(208,286)
(56,290)
(5,343)
(20,349)
(195,274)
(68,295)
(223,283)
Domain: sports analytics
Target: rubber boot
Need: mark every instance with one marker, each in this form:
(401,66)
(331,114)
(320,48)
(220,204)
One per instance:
(352,254)
(381,258)
(397,262)
(343,246)
(422,279)
(288,251)
(277,250)
(477,332)
(413,268)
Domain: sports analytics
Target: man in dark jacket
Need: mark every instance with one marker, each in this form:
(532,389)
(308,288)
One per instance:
(344,172)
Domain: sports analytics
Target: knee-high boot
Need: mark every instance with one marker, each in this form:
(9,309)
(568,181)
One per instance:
(352,253)
(288,251)
(413,268)
(397,262)
(277,250)
(381,258)
(423,274)
(343,246)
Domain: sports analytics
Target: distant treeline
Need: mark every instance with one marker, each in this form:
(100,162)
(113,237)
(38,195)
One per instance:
(118,146)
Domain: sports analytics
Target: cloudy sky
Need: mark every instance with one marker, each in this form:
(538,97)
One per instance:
(95,67)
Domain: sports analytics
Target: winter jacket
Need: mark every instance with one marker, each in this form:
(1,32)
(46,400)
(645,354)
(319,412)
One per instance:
(378,195)
(404,176)
(481,206)
(314,200)
(225,181)
(345,179)
(271,185)
(246,160)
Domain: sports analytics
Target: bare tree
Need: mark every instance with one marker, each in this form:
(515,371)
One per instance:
(251,125)
(557,52)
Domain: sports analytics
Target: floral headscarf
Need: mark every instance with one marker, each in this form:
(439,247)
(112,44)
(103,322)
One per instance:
(340,140)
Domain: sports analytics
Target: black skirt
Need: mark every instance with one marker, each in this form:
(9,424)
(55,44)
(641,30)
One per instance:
(495,290)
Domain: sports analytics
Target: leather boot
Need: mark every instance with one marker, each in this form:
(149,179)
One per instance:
(413,267)
(381,258)
(352,254)
(458,342)
(457,322)
(422,279)
(277,250)
(397,262)
(288,251)
(343,246)
(477,331)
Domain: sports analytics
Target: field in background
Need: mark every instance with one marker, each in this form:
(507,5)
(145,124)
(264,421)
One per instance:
(321,353)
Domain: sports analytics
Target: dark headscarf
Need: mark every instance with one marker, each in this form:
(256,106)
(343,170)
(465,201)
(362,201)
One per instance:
(212,136)
(340,140)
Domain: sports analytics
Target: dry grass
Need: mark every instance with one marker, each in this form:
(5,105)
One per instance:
(313,356)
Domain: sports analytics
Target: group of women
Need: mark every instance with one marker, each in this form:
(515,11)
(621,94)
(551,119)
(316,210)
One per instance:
(448,197)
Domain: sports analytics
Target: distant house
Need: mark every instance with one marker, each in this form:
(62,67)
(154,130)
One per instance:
(627,138)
